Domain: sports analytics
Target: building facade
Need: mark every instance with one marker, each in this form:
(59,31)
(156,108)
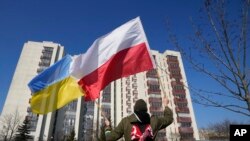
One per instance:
(34,58)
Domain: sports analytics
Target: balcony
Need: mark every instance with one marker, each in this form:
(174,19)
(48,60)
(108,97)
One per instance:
(179,95)
(176,91)
(156,106)
(106,100)
(175,76)
(184,119)
(128,97)
(180,100)
(134,79)
(135,92)
(154,91)
(44,63)
(173,66)
(182,110)
(128,102)
(155,109)
(127,88)
(40,70)
(186,130)
(154,100)
(171,58)
(134,85)
(45,57)
(152,82)
(174,83)
(127,82)
(152,75)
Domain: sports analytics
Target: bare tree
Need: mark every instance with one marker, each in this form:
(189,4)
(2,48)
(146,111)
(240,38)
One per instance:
(9,124)
(219,49)
(219,130)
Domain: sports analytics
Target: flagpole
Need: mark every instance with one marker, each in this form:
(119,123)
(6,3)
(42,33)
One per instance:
(100,107)
(161,84)
(164,93)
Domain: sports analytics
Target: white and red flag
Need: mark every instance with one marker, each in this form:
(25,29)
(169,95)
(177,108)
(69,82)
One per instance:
(120,53)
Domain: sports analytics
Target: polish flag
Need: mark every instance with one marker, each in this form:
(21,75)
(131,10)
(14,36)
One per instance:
(120,53)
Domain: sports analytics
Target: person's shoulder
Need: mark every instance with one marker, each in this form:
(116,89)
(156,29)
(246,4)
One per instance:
(130,118)
(125,120)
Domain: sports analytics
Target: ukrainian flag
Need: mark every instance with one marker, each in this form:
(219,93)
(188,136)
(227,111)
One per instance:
(54,88)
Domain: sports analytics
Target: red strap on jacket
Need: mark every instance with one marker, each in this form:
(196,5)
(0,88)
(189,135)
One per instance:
(136,134)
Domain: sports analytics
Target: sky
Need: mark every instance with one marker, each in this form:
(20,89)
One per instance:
(76,24)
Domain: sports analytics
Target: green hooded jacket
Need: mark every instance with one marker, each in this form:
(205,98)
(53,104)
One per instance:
(124,127)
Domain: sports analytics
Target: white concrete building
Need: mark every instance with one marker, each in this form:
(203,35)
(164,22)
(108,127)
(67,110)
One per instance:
(34,58)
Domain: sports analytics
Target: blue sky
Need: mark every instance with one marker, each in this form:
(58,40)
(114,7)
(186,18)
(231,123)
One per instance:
(76,24)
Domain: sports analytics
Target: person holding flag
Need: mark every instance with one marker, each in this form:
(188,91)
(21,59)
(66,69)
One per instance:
(139,126)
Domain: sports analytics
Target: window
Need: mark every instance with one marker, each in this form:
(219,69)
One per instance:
(48,49)
(180,96)
(186,124)
(178,87)
(172,57)
(154,87)
(156,104)
(182,105)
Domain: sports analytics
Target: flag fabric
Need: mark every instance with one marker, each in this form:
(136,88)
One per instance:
(54,87)
(121,53)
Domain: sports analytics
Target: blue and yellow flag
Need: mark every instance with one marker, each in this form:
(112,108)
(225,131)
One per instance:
(54,88)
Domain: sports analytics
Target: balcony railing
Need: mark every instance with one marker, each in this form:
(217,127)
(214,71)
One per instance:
(152,82)
(180,100)
(45,57)
(176,91)
(182,110)
(152,75)
(154,91)
(172,58)
(179,94)
(155,109)
(174,83)
(135,92)
(184,119)
(128,102)
(106,100)
(186,130)
(127,88)
(154,100)
(175,76)
(127,82)
(134,79)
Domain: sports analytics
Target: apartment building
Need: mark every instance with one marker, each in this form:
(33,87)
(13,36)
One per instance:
(35,57)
